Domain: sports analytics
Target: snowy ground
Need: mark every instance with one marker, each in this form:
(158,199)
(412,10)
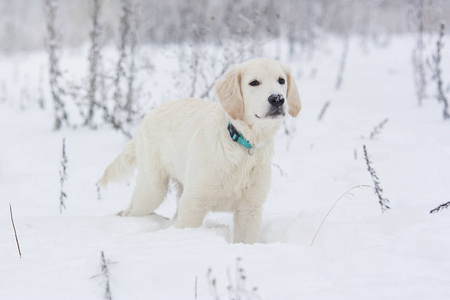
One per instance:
(359,253)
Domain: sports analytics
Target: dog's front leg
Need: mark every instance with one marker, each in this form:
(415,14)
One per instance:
(248,214)
(247,224)
(190,212)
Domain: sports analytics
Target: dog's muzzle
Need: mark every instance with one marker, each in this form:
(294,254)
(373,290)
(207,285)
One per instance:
(276,106)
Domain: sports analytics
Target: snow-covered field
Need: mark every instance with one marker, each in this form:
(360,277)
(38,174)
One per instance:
(359,252)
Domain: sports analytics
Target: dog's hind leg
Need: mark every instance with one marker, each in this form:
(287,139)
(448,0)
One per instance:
(151,183)
(150,191)
(179,189)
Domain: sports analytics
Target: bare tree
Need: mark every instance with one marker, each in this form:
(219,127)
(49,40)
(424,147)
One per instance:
(436,68)
(124,110)
(343,62)
(94,62)
(125,27)
(55,75)
(418,55)
(130,102)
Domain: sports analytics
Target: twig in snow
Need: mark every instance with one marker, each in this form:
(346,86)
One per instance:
(15,233)
(99,194)
(195,287)
(440,207)
(384,202)
(41,98)
(212,284)
(322,112)
(105,274)
(346,194)
(236,287)
(343,62)
(282,173)
(63,177)
(4,92)
(376,129)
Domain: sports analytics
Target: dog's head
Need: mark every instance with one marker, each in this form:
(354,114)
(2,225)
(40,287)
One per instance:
(259,89)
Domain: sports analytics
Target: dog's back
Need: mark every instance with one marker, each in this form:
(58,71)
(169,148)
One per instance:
(167,131)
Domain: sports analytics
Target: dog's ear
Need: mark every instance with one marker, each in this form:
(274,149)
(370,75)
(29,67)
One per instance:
(228,90)
(293,98)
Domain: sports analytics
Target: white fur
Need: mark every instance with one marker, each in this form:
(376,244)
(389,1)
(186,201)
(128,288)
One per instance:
(187,141)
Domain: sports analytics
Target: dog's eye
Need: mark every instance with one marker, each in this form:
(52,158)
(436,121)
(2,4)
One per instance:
(254,83)
(281,80)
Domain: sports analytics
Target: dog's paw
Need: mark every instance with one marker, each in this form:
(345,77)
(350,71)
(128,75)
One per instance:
(122,213)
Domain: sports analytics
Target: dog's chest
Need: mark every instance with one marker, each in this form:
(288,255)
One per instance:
(242,179)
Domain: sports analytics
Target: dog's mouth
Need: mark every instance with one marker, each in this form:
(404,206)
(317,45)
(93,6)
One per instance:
(273,113)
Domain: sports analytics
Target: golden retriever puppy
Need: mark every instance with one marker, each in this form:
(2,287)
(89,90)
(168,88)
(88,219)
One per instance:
(218,154)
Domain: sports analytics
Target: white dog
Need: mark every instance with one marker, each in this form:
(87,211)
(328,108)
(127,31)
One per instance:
(218,155)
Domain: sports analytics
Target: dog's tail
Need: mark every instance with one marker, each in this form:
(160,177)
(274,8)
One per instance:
(121,167)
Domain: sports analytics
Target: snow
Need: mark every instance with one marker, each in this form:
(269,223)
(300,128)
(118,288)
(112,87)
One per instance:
(358,253)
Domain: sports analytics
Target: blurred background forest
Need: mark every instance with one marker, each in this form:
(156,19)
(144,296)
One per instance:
(23,25)
(106,61)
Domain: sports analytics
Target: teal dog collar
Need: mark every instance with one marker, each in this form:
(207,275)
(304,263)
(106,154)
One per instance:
(237,137)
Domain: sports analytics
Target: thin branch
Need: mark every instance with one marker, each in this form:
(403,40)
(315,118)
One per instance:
(63,177)
(346,194)
(99,194)
(282,172)
(440,207)
(376,129)
(225,67)
(384,202)
(212,285)
(322,112)
(15,233)
(195,288)
(343,63)
(105,273)
(236,288)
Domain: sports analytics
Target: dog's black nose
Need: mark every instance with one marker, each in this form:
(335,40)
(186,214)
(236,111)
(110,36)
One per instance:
(276,100)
